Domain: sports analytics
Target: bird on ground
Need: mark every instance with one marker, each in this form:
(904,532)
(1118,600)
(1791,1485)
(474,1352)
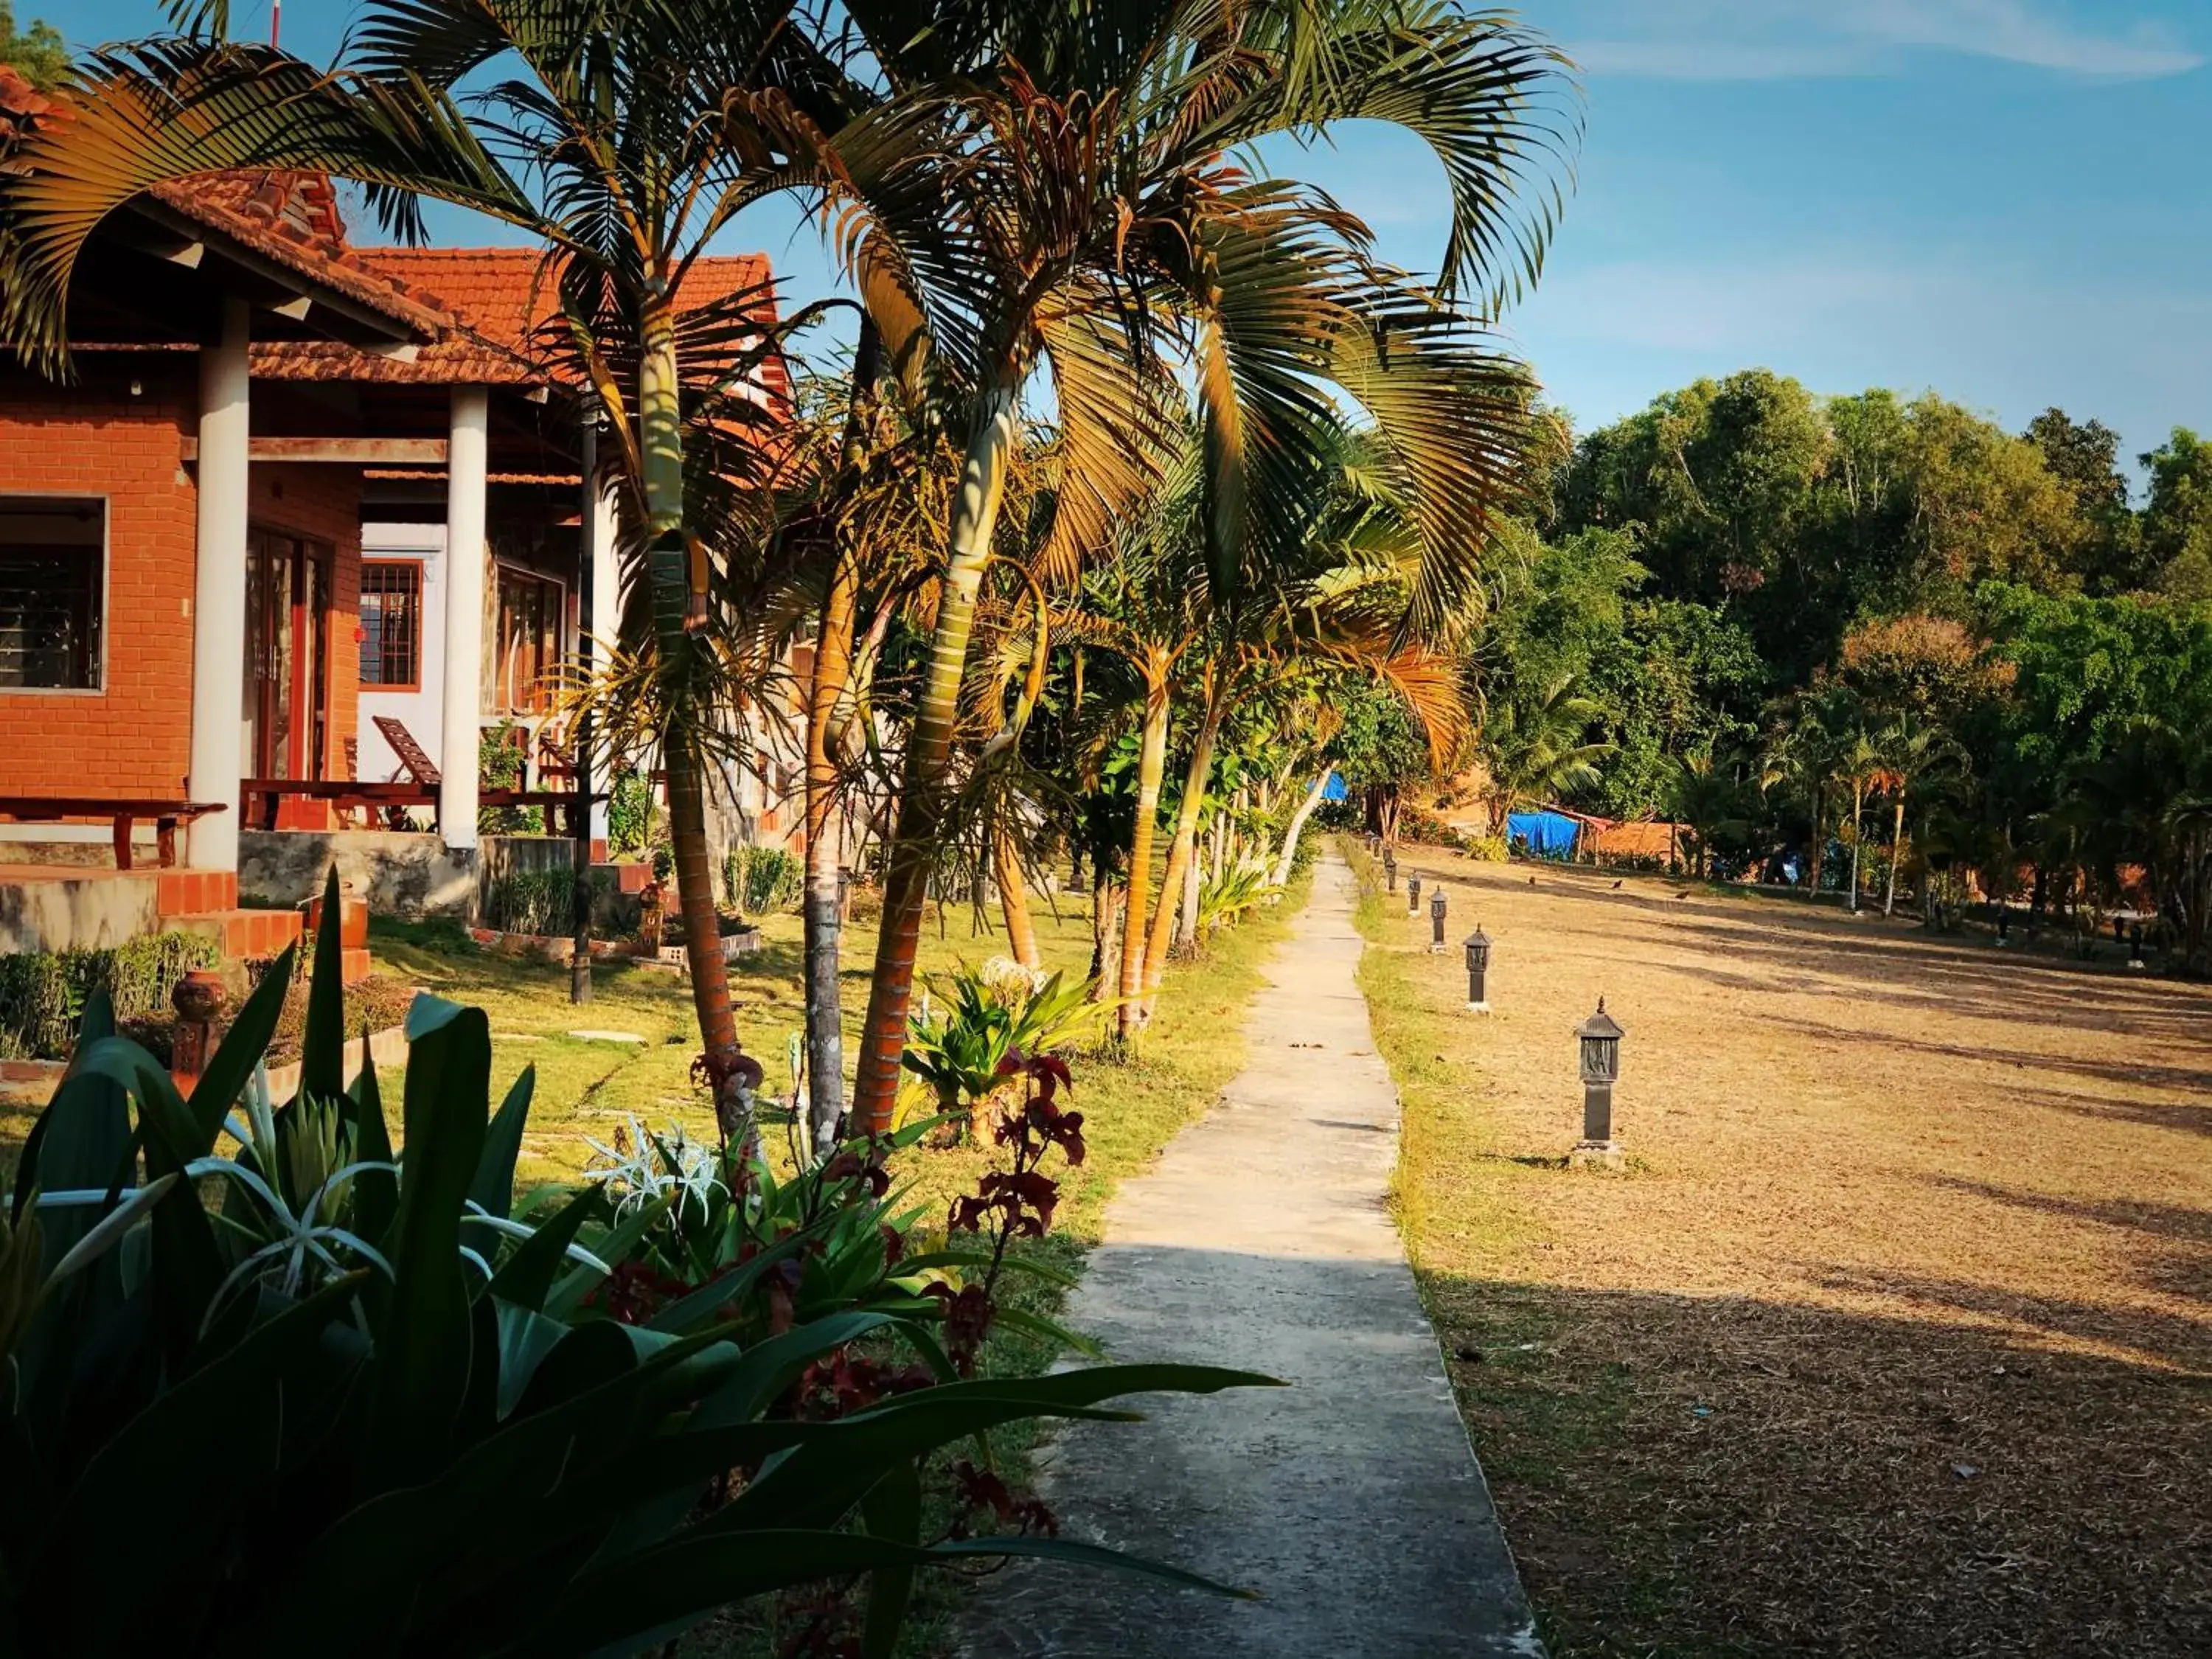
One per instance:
(1532,881)
(1682,895)
(1618,886)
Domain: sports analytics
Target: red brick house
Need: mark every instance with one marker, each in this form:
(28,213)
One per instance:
(186,608)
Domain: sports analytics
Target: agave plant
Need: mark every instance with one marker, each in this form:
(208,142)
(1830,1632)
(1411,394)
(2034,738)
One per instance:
(460,1414)
(960,1051)
(1221,903)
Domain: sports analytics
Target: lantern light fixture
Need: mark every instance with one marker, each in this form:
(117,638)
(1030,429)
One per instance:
(1478,971)
(1598,1040)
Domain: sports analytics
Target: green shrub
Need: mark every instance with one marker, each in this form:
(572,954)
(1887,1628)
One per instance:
(758,880)
(629,814)
(544,902)
(43,993)
(362,1369)
(502,763)
(532,902)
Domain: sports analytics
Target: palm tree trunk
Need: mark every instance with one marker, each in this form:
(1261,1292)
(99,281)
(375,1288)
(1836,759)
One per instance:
(1289,853)
(1858,812)
(1151,764)
(1013,901)
(929,745)
(1186,933)
(833,676)
(1896,847)
(676,574)
(1105,936)
(1186,839)
(1819,838)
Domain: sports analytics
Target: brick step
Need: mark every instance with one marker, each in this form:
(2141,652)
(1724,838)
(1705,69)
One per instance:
(194,893)
(245,934)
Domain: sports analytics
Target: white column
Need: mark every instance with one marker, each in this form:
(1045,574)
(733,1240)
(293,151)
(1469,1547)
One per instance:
(219,596)
(461,733)
(607,615)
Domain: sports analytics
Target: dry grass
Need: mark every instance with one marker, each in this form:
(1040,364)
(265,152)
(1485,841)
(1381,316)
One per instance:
(1895,1337)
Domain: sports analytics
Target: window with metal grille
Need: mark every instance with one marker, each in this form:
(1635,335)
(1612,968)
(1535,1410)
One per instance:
(391,623)
(53,592)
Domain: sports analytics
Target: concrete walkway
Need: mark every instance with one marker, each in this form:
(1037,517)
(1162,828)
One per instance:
(1352,1501)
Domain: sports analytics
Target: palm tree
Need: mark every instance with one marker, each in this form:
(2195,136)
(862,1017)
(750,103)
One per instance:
(1860,765)
(1915,752)
(1011,188)
(1709,797)
(1079,216)
(1804,753)
(623,135)
(1337,600)
(1531,745)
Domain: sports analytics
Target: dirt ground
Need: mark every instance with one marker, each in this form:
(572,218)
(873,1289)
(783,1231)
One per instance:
(1894,1336)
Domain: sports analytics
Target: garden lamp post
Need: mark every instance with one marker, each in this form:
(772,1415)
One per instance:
(1599,1040)
(1436,923)
(1390,870)
(1478,970)
(1412,895)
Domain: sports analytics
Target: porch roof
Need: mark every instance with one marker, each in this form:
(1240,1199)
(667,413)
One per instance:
(156,272)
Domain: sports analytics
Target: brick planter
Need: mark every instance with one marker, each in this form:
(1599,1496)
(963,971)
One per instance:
(33,1082)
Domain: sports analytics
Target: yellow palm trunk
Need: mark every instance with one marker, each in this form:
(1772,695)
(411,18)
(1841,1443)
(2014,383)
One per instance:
(929,745)
(1896,848)
(1151,766)
(677,573)
(1014,902)
(1180,848)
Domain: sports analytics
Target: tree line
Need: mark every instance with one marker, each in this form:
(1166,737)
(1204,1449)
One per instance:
(1868,643)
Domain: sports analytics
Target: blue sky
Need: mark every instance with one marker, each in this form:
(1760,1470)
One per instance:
(2005,200)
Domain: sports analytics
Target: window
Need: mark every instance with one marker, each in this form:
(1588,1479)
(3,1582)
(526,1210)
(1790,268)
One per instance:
(528,642)
(391,623)
(52,585)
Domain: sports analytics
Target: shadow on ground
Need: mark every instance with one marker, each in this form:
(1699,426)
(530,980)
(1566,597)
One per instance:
(1686,1475)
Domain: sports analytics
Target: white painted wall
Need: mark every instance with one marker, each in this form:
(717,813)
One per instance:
(422,710)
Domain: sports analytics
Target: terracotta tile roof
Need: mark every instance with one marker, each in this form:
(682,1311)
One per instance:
(290,219)
(20,105)
(477,309)
(293,219)
(498,298)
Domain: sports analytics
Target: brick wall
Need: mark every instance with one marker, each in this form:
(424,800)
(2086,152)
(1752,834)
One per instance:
(134,736)
(322,503)
(94,438)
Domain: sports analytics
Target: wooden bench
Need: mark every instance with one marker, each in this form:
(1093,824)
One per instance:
(123,813)
(261,795)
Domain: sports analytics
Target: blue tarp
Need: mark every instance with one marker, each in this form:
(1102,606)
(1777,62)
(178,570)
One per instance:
(1547,835)
(1335,789)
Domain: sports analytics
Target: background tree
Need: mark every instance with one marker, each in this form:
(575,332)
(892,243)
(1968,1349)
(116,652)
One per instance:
(37,53)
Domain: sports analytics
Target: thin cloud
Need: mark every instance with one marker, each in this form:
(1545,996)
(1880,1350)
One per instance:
(1789,39)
